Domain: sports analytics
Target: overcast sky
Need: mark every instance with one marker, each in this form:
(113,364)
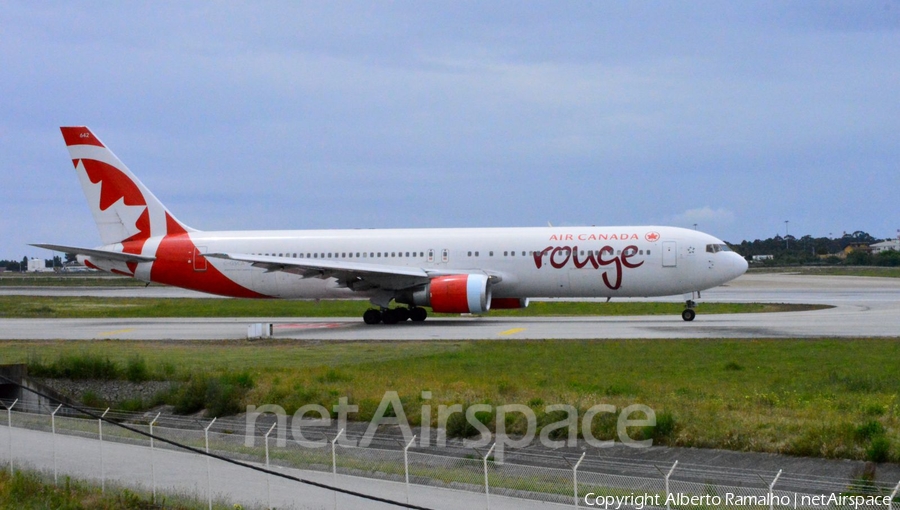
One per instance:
(735,116)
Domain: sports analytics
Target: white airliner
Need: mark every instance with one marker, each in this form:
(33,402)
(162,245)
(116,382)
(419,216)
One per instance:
(450,270)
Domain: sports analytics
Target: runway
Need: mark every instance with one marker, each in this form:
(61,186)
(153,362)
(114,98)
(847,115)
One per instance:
(863,307)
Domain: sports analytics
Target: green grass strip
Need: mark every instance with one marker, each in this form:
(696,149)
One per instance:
(97,307)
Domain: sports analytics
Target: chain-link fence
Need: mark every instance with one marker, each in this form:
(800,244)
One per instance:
(571,480)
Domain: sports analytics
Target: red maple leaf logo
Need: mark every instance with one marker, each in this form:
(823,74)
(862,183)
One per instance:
(652,237)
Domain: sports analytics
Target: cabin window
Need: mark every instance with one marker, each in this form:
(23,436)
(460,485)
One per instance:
(470,254)
(476,253)
(491,254)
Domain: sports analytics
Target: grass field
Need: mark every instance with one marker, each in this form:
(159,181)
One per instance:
(27,490)
(821,398)
(92,279)
(95,307)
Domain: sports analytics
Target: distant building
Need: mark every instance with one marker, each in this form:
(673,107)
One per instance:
(890,244)
(38,266)
(763,257)
(852,247)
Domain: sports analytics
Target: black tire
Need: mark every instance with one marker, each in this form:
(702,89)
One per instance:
(688,315)
(390,316)
(372,316)
(418,314)
(403,313)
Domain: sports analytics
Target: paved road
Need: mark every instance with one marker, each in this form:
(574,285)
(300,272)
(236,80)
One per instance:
(863,307)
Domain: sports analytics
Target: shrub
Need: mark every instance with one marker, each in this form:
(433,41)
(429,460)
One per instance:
(136,369)
(91,398)
(879,449)
(75,366)
(220,396)
(191,397)
(665,428)
(733,366)
(869,430)
(223,398)
(459,427)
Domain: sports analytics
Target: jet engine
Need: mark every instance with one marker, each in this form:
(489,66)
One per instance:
(458,293)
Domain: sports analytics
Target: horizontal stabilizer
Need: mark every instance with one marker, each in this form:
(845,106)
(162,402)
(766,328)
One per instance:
(93,252)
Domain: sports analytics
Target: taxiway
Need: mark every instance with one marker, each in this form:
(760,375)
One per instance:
(862,307)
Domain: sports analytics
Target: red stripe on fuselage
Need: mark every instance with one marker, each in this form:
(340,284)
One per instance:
(174,265)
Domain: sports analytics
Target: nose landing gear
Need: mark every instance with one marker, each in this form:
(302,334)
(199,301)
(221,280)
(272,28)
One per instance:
(688,314)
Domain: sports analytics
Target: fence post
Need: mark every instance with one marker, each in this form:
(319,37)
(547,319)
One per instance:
(268,491)
(9,422)
(772,491)
(891,497)
(102,467)
(208,481)
(152,466)
(334,465)
(487,492)
(406,465)
(669,474)
(53,429)
(575,477)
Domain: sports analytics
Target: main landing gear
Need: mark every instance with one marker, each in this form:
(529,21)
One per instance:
(688,314)
(394,315)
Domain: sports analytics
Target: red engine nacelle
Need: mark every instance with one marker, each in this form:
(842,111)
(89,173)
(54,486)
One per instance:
(458,293)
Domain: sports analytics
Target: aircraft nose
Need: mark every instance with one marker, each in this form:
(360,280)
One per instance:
(739,264)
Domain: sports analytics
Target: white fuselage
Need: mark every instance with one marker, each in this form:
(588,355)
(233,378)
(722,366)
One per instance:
(526,262)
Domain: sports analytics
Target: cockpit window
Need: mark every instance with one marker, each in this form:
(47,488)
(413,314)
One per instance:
(715,248)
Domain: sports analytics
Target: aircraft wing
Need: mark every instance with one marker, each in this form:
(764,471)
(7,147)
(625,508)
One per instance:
(353,275)
(94,252)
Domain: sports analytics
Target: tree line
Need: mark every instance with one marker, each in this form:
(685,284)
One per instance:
(808,250)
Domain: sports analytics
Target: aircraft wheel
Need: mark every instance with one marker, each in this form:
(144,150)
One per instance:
(418,314)
(688,315)
(391,316)
(372,316)
(403,313)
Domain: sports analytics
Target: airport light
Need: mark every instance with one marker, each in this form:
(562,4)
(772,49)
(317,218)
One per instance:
(786,240)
